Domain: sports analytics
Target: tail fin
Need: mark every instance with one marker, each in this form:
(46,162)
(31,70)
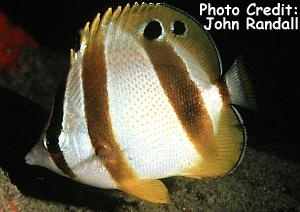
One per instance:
(239,86)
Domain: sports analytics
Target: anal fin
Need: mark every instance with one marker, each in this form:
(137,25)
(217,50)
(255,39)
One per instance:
(153,191)
(228,147)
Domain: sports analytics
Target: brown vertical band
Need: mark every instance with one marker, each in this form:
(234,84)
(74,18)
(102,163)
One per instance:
(183,95)
(96,102)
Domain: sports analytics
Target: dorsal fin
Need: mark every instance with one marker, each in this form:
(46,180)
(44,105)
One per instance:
(198,42)
(72,57)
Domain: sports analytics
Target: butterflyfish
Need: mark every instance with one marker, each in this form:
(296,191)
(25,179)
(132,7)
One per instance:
(145,98)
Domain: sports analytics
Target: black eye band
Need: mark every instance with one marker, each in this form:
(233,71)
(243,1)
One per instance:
(52,144)
(54,130)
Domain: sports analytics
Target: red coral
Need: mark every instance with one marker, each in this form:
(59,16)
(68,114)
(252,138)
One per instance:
(13,206)
(13,40)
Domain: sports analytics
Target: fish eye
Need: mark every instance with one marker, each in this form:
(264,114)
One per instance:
(46,144)
(51,143)
(153,30)
(178,28)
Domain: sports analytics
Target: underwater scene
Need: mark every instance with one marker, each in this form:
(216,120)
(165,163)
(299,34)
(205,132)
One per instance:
(149,106)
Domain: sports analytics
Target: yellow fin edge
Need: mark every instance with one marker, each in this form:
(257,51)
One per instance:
(153,191)
(229,143)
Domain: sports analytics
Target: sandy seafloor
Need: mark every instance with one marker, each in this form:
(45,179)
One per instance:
(268,179)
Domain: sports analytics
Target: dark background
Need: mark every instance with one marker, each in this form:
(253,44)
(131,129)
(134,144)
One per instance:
(271,57)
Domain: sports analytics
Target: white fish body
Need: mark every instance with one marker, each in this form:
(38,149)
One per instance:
(142,105)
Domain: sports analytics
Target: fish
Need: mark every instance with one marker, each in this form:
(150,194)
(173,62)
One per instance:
(145,98)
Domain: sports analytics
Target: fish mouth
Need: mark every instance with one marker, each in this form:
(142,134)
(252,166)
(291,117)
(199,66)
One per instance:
(30,157)
(36,155)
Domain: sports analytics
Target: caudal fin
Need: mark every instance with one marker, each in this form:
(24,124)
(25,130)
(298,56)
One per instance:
(239,86)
